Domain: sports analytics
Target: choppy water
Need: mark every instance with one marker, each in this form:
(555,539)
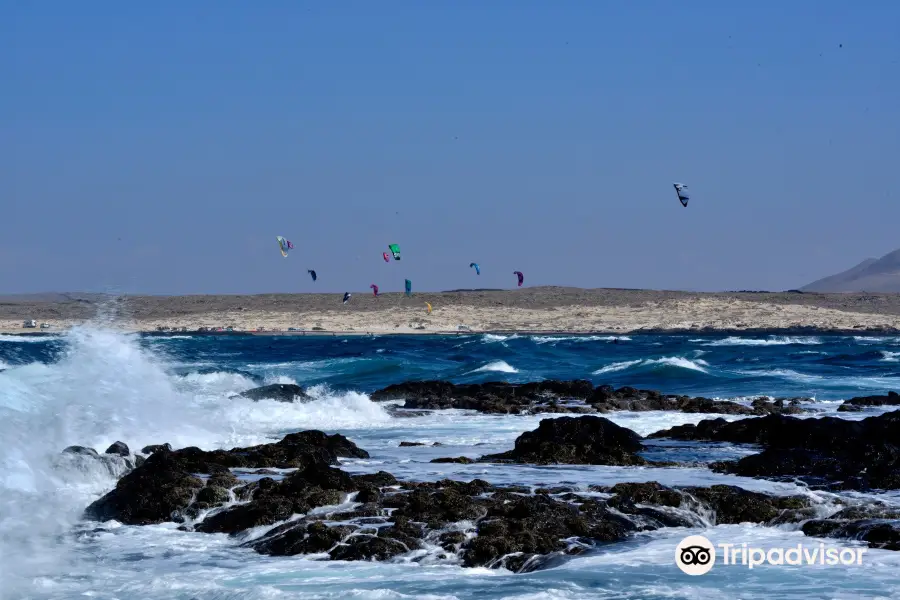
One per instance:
(93,387)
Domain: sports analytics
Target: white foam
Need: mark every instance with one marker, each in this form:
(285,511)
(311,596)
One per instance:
(672,361)
(498,366)
(771,341)
(27,339)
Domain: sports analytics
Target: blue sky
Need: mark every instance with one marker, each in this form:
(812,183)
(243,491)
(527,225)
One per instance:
(160,148)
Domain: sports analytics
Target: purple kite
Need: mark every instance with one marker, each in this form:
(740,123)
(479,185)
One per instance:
(387,257)
(520,276)
(374,289)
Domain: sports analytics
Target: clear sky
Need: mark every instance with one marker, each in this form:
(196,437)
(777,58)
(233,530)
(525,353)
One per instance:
(160,147)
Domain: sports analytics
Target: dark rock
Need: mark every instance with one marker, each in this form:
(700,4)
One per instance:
(891,399)
(463,460)
(411,444)
(644,493)
(156,448)
(575,440)
(119,448)
(155,492)
(379,479)
(491,397)
(878,533)
(300,538)
(733,505)
(224,480)
(281,392)
(165,483)
(368,547)
(555,396)
(819,451)
(535,526)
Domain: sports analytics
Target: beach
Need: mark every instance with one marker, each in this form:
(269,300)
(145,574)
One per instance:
(539,309)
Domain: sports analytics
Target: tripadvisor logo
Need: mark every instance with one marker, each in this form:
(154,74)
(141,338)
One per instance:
(696,555)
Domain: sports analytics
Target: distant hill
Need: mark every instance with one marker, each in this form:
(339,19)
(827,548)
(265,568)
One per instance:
(871,275)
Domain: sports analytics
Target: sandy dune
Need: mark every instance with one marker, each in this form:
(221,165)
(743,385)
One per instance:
(530,309)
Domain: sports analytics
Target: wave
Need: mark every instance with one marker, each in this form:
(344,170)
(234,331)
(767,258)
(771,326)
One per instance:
(28,339)
(667,361)
(890,356)
(545,339)
(771,341)
(497,366)
(106,387)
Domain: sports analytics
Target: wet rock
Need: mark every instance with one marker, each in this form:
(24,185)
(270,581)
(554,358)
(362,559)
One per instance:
(733,505)
(368,547)
(462,460)
(491,397)
(156,448)
(890,399)
(300,492)
(825,451)
(281,392)
(300,538)
(536,526)
(554,396)
(151,493)
(575,440)
(411,444)
(165,483)
(877,533)
(118,448)
(379,479)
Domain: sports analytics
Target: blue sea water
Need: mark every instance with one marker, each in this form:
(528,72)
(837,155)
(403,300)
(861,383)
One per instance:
(93,386)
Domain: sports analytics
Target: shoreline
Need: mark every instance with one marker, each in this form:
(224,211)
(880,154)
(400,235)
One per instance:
(534,311)
(795,331)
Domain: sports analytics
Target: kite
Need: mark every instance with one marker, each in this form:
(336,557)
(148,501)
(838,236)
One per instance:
(284,245)
(477,268)
(395,250)
(682,195)
(312,274)
(346,296)
(428,310)
(520,276)
(374,289)
(386,256)
(408,287)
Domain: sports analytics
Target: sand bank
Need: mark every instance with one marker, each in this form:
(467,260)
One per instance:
(554,310)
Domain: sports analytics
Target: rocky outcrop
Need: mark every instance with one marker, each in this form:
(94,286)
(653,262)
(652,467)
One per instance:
(376,517)
(587,440)
(280,392)
(577,396)
(494,397)
(877,524)
(164,487)
(825,452)
(858,403)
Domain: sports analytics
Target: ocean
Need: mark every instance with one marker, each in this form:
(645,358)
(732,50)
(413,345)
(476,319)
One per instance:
(92,387)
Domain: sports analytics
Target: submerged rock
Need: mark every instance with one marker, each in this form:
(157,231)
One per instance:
(281,392)
(587,440)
